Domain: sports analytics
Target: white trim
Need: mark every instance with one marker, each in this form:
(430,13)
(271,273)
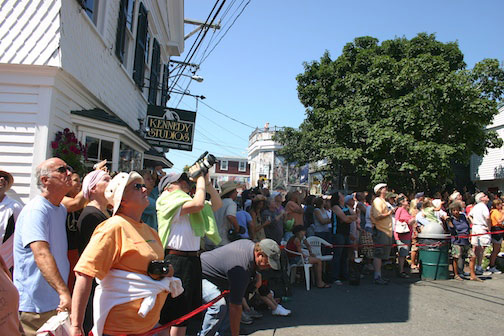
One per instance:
(221,166)
(244,168)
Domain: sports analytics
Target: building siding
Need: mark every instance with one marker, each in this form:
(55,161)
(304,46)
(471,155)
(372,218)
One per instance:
(30,32)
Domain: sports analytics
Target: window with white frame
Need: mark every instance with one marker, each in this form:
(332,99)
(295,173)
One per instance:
(98,150)
(242,166)
(124,35)
(224,165)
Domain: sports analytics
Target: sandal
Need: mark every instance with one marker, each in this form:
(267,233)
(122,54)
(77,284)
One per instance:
(324,286)
(458,277)
(476,279)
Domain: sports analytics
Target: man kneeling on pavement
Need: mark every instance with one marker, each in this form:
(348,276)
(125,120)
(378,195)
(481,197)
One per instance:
(233,267)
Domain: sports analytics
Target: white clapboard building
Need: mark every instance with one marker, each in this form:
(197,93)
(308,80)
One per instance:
(91,66)
(487,172)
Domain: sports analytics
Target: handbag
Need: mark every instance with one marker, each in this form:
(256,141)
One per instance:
(58,325)
(401,227)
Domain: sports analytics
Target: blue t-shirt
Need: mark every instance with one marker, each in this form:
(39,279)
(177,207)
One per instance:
(461,228)
(39,220)
(244,218)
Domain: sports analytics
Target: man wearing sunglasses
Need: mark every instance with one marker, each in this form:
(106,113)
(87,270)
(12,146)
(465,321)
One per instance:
(41,265)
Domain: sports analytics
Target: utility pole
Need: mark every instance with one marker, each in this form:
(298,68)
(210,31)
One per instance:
(199,25)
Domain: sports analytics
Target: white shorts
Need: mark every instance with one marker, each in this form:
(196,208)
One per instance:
(483,240)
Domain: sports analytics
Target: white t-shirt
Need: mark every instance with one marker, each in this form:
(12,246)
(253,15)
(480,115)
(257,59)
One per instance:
(479,215)
(182,236)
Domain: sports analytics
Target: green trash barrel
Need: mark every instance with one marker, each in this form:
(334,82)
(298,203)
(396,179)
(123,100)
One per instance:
(434,260)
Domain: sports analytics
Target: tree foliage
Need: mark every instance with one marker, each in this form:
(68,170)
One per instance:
(403,111)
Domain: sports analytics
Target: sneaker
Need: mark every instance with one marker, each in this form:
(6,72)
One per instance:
(380,281)
(478,271)
(281,311)
(245,318)
(254,313)
(338,282)
(493,270)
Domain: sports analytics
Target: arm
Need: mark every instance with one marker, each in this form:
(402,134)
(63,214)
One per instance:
(74,204)
(235,311)
(81,292)
(198,202)
(47,265)
(214,195)
(252,225)
(341,215)
(234,222)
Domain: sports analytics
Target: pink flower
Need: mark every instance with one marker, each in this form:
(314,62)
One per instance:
(54,144)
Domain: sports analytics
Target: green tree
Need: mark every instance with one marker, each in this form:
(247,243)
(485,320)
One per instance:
(403,111)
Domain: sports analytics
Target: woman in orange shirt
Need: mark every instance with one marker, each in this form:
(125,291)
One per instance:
(496,217)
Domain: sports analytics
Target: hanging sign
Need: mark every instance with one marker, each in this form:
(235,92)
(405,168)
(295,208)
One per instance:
(170,127)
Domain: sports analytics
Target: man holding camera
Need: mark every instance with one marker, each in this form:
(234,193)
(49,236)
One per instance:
(182,222)
(229,229)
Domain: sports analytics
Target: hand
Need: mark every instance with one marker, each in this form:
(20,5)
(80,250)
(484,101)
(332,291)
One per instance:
(258,280)
(171,271)
(65,303)
(76,331)
(101,166)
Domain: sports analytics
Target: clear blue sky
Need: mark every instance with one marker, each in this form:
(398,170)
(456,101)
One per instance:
(251,74)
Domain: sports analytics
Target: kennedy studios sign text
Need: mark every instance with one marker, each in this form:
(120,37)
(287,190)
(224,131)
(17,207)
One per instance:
(170,127)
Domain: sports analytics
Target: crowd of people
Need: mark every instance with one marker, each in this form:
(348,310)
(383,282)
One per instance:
(124,253)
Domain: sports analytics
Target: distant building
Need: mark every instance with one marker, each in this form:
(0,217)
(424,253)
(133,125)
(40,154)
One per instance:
(90,66)
(487,172)
(262,155)
(231,169)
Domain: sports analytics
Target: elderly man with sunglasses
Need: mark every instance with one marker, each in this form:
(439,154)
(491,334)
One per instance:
(41,265)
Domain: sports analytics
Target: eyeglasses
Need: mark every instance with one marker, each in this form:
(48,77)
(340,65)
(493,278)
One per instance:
(139,186)
(64,169)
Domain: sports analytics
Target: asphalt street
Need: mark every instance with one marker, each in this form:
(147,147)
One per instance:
(404,307)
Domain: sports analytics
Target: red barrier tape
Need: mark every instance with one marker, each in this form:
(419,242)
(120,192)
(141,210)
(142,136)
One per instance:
(182,318)
(425,245)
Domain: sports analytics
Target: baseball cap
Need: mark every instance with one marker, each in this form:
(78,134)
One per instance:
(420,194)
(379,186)
(170,178)
(272,250)
(348,198)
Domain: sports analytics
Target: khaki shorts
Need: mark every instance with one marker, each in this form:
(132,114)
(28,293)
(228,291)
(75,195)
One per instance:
(483,241)
(381,238)
(462,251)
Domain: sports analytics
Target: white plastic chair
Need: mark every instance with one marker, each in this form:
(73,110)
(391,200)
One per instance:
(301,263)
(316,243)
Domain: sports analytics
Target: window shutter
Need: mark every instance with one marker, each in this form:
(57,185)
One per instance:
(139,66)
(155,70)
(164,89)
(121,30)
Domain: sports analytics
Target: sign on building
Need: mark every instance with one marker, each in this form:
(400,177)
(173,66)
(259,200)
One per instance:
(170,127)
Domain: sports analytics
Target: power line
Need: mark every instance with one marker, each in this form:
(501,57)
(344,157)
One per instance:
(236,18)
(227,116)
(189,58)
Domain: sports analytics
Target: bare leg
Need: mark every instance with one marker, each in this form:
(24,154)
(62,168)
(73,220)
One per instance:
(317,264)
(269,301)
(472,263)
(495,251)
(455,267)
(413,259)
(478,251)
(178,331)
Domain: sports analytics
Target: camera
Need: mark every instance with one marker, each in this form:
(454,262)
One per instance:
(158,268)
(202,165)
(235,235)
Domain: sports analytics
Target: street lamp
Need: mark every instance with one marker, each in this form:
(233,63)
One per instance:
(196,78)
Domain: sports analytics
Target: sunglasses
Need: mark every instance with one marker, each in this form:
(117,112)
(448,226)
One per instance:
(139,186)
(64,169)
